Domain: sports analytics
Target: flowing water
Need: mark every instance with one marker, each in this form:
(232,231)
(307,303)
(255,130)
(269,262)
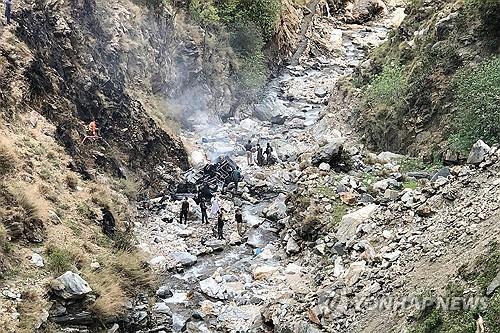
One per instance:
(299,94)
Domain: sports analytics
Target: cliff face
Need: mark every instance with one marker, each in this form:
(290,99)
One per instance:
(70,72)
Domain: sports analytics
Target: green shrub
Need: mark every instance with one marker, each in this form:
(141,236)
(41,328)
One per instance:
(388,88)
(123,241)
(477,98)
(59,260)
(252,74)
(204,12)
(263,13)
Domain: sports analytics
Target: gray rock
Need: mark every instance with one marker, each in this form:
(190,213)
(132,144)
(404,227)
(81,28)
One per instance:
(444,172)
(387,156)
(325,167)
(493,285)
(164,292)
(292,247)
(478,152)
(329,153)
(184,259)
(350,222)
(320,92)
(162,308)
(391,194)
(366,198)
(279,119)
(419,175)
(36,260)
(71,286)
(392,256)
(277,210)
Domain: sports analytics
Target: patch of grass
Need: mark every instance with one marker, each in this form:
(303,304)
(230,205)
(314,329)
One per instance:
(339,210)
(130,187)
(31,310)
(123,241)
(326,191)
(71,181)
(133,271)
(75,227)
(35,207)
(111,298)
(8,158)
(411,184)
(84,210)
(480,274)
(409,164)
(59,260)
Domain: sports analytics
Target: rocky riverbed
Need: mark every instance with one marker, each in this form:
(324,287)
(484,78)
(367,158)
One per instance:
(224,286)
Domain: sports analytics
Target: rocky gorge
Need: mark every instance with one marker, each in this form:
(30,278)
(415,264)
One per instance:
(332,230)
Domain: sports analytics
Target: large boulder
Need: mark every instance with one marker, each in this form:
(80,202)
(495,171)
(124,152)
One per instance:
(70,286)
(361,11)
(329,153)
(478,152)
(184,259)
(277,210)
(263,272)
(350,222)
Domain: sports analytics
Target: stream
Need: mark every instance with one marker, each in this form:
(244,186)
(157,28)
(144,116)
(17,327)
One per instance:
(222,286)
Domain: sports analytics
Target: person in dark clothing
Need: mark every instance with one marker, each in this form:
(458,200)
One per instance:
(248,148)
(236,176)
(204,192)
(220,224)
(239,221)
(184,211)
(269,154)
(203,207)
(8,10)
(260,155)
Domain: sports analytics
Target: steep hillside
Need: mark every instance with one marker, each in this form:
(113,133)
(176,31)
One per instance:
(424,90)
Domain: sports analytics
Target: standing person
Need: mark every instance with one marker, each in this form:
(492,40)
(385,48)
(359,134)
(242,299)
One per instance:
(239,221)
(269,154)
(8,10)
(236,176)
(203,208)
(220,225)
(184,210)
(260,155)
(248,148)
(214,212)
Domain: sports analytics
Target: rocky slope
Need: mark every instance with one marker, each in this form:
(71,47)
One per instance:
(406,96)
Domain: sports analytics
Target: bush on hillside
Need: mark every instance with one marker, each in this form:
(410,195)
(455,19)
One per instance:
(488,12)
(8,160)
(204,12)
(477,97)
(263,13)
(388,88)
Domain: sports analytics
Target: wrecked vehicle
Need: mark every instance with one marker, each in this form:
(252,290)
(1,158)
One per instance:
(201,183)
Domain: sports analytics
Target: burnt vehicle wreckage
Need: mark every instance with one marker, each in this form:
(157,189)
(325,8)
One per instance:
(199,184)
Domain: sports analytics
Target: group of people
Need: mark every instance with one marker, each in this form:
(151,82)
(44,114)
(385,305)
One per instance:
(264,156)
(217,215)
